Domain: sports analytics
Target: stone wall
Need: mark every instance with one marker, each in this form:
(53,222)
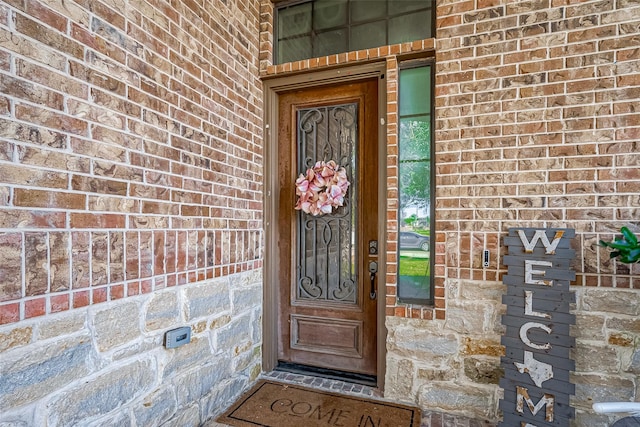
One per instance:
(106,365)
(130,204)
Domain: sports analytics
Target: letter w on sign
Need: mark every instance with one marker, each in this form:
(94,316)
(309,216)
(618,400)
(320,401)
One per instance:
(550,247)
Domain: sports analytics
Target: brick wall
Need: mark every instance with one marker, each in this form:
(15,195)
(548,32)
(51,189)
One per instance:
(536,126)
(130,149)
(130,204)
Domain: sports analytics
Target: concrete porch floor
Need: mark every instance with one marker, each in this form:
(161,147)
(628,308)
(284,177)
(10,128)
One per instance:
(429,419)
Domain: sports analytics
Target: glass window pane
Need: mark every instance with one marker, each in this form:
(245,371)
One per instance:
(415,91)
(367,10)
(330,42)
(408,28)
(414,239)
(294,49)
(414,269)
(329,14)
(415,134)
(294,20)
(390,22)
(402,6)
(369,35)
(326,248)
(414,182)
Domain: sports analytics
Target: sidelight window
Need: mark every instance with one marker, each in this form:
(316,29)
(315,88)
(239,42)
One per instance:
(415,173)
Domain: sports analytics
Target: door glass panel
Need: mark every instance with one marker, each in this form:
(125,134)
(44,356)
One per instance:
(415,93)
(326,250)
(368,35)
(414,173)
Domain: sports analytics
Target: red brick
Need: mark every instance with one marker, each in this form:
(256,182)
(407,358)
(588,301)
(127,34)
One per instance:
(59,261)
(10,268)
(36,263)
(132,260)
(116,292)
(116,257)
(48,199)
(133,289)
(146,286)
(27,91)
(146,254)
(48,118)
(9,313)
(99,295)
(54,80)
(42,13)
(59,303)
(159,252)
(97,220)
(81,298)
(35,307)
(80,244)
(99,255)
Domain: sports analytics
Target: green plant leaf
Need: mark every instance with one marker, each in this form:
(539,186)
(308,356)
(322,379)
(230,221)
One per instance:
(629,236)
(633,255)
(619,244)
(626,249)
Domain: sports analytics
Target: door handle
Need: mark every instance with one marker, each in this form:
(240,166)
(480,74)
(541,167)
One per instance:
(373,269)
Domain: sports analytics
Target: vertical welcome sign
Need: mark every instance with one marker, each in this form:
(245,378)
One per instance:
(537,340)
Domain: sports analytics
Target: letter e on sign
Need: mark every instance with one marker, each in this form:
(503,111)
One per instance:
(529,272)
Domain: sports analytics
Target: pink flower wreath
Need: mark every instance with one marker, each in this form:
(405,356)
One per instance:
(322,188)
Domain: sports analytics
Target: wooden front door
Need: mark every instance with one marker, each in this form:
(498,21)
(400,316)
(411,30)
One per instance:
(326,296)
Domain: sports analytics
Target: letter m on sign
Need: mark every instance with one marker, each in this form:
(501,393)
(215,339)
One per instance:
(540,235)
(546,401)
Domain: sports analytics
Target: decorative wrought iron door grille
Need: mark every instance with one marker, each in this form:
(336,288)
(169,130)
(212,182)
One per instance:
(326,245)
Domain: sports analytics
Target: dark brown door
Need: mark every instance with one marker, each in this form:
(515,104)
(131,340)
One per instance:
(327,307)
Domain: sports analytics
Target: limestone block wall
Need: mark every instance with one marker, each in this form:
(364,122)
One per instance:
(130,204)
(106,365)
(453,365)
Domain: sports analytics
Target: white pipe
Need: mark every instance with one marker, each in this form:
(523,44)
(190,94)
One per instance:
(617,407)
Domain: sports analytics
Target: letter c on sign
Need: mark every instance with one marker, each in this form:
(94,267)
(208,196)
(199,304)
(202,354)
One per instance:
(525,339)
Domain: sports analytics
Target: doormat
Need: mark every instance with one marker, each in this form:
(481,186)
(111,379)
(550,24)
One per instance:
(273,404)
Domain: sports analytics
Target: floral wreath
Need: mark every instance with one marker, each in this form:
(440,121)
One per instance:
(322,188)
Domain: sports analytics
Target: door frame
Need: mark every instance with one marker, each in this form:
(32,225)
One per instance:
(271,194)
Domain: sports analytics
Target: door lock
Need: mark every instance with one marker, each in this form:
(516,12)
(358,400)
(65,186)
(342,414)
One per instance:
(373,269)
(373,247)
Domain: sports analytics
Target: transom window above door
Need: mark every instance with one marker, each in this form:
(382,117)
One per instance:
(310,29)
